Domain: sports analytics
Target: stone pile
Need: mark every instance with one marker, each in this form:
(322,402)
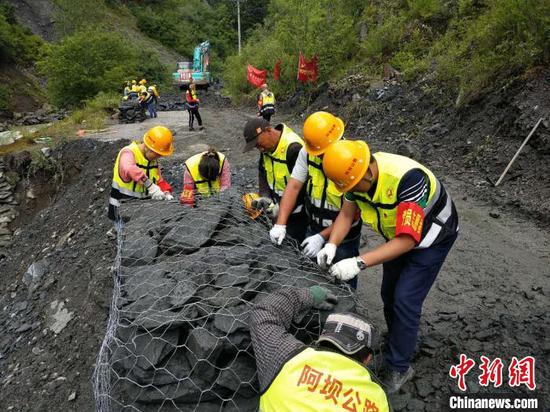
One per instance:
(188,280)
(7,208)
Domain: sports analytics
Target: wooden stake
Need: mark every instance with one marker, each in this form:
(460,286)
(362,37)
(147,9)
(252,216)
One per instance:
(517,153)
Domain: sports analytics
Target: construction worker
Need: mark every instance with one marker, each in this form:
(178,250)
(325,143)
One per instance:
(146,100)
(127,88)
(279,147)
(136,173)
(322,199)
(152,90)
(266,103)
(205,174)
(134,91)
(142,85)
(403,201)
(192,102)
(331,375)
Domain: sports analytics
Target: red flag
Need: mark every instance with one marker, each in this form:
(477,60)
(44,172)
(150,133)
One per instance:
(277,71)
(307,70)
(254,76)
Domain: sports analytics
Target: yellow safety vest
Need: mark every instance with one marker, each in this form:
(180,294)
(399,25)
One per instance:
(275,163)
(325,200)
(135,88)
(380,211)
(323,381)
(132,188)
(204,187)
(268,98)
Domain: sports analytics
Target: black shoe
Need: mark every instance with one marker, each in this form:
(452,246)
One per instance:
(201,127)
(191,129)
(392,380)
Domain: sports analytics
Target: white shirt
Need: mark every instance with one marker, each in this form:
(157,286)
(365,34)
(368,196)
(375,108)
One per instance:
(300,171)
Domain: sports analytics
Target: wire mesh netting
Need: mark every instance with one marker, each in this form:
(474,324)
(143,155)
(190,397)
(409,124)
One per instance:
(185,281)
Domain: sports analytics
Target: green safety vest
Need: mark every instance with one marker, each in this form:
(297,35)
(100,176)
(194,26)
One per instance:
(380,211)
(275,163)
(203,186)
(323,381)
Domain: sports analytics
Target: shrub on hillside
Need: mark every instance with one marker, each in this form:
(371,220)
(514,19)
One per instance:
(17,44)
(91,61)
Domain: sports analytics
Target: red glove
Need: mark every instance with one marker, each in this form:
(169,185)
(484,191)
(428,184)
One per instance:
(164,186)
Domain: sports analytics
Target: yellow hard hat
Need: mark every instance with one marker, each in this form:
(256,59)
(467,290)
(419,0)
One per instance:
(133,82)
(346,162)
(159,139)
(321,129)
(248,198)
(142,81)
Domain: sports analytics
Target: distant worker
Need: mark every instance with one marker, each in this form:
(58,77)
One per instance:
(323,200)
(147,102)
(152,90)
(403,201)
(136,173)
(127,88)
(206,173)
(266,103)
(134,91)
(192,102)
(279,147)
(331,375)
(142,85)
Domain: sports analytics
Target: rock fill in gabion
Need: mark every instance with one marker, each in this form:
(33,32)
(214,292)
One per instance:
(185,282)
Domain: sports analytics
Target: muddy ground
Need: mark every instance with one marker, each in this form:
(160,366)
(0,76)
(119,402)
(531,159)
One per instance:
(491,297)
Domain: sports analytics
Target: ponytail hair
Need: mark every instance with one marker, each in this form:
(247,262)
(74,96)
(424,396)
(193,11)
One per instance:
(209,166)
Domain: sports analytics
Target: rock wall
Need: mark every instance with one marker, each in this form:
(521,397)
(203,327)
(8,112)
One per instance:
(8,210)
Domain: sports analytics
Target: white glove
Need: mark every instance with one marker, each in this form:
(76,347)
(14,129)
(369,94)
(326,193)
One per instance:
(326,255)
(277,234)
(346,269)
(155,192)
(312,245)
(168,196)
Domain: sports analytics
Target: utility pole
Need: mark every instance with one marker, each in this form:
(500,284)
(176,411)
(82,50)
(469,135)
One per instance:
(239,23)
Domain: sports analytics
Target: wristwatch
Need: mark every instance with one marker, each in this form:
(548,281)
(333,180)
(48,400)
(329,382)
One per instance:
(361,263)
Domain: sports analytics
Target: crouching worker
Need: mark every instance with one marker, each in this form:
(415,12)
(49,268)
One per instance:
(137,174)
(205,174)
(331,375)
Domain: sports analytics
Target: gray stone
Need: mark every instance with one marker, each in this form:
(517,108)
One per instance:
(232,319)
(59,316)
(235,275)
(138,249)
(228,296)
(415,405)
(150,348)
(240,376)
(424,387)
(35,273)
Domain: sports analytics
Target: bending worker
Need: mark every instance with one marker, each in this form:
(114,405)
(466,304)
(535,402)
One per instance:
(205,174)
(403,201)
(136,173)
(330,376)
(279,147)
(322,199)
(266,103)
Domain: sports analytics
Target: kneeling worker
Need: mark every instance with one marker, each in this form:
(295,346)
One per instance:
(322,199)
(136,173)
(403,201)
(205,174)
(279,147)
(332,375)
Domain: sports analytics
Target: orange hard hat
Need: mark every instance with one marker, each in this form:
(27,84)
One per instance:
(159,139)
(142,81)
(321,129)
(248,198)
(346,162)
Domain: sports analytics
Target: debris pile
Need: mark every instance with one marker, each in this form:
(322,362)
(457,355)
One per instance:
(7,207)
(186,283)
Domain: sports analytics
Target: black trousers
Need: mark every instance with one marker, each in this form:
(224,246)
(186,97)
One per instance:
(194,112)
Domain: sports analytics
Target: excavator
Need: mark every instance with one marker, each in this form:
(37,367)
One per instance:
(197,70)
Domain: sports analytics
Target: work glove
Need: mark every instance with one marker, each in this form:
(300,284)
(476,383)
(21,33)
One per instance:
(326,255)
(155,192)
(323,299)
(266,205)
(346,269)
(277,234)
(312,245)
(168,196)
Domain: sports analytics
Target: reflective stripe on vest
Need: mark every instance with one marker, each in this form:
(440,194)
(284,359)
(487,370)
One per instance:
(323,381)
(268,101)
(275,164)
(121,189)
(381,211)
(325,201)
(203,186)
